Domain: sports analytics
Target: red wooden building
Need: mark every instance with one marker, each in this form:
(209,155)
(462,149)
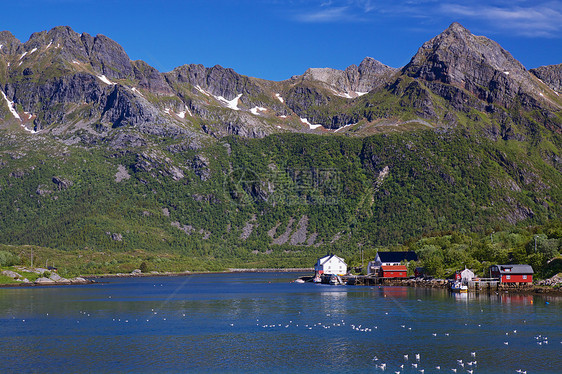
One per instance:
(512,273)
(396,271)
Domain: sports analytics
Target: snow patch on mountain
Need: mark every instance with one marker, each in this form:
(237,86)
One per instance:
(310,125)
(136,91)
(202,91)
(232,104)
(278,96)
(342,94)
(343,127)
(16,115)
(11,106)
(104,79)
(183,113)
(257,109)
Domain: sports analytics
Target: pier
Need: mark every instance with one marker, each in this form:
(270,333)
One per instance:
(478,285)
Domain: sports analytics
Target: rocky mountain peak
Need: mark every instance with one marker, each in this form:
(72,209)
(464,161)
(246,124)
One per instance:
(107,56)
(217,80)
(475,63)
(9,43)
(354,80)
(456,55)
(551,75)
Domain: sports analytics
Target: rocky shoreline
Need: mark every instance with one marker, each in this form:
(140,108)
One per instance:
(542,287)
(552,285)
(47,278)
(53,279)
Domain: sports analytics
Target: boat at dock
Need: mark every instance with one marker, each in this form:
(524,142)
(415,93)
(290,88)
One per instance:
(459,287)
(336,280)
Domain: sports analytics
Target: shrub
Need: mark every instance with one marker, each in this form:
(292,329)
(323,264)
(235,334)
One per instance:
(8,259)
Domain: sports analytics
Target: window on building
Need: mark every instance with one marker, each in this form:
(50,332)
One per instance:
(508,277)
(524,277)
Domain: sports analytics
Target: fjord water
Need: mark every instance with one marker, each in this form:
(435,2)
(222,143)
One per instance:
(259,322)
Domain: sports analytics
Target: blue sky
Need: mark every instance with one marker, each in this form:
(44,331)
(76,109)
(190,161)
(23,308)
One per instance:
(274,39)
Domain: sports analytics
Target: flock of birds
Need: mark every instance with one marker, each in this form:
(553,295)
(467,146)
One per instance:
(468,365)
(409,363)
(406,363)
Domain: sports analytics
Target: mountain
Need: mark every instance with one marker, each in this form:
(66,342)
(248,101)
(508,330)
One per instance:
(66,83)
(550,75)
(101,152)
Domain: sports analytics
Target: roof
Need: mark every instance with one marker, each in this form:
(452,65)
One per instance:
(394,268)
(323,260)
(397,256)
(515,269)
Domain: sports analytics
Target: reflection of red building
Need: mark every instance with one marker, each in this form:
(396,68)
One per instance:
(398,271)
(512,273)
(517,299)
(396,292)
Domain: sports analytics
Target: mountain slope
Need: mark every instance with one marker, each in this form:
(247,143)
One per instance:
(101,152)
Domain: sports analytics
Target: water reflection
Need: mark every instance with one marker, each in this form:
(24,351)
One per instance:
(262,322)
(502,298)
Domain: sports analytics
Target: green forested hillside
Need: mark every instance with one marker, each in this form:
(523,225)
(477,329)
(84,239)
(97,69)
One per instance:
(277,201)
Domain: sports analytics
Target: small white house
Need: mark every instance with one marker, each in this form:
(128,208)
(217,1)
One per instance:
(465,276)
(330,264)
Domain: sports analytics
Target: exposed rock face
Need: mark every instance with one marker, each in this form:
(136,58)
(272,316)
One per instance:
(550,75)
(44,281)
(62,183)
(84,89)
(150,79)
(157,164)
(475,63)
(67,80)
(216,80)
(11,274)
(9,43)
(353,81)
(122,107)
(122,174)
(107,57)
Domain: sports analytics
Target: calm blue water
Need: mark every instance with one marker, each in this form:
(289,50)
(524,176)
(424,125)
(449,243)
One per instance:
(265,323)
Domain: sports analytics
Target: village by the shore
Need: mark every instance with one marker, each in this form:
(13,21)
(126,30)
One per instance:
(388,269)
